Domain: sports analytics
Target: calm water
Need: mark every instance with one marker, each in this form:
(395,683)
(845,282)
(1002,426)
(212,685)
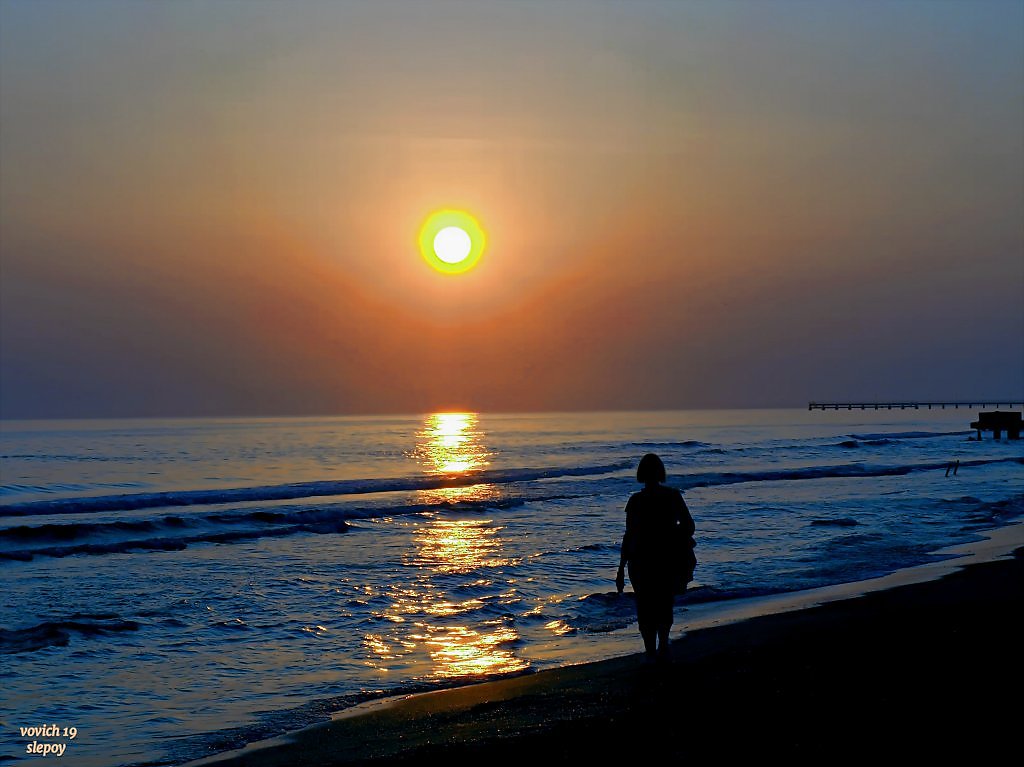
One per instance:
(177,587)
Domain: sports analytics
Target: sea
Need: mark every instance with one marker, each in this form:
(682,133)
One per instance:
(176,588)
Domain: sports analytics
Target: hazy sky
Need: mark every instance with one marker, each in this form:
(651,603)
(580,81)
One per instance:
(212,207)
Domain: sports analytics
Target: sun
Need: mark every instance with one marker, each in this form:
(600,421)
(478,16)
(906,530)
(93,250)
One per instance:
(452,241)
(452,244)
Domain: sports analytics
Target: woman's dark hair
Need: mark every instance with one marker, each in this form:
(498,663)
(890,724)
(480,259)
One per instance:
(651,469)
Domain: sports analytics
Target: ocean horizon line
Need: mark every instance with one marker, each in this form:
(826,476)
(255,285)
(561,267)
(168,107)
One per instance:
(407,415)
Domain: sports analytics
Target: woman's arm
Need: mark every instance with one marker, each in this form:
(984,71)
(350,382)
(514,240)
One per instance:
(685,520)
(624,553)
(620,576)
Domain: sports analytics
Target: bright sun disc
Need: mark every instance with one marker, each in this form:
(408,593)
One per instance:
(452,244)
(451,241)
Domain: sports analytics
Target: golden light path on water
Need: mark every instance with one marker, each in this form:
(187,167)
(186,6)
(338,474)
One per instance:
(451,443)
(425,616)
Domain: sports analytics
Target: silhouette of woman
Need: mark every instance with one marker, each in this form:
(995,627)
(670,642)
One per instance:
(658,550)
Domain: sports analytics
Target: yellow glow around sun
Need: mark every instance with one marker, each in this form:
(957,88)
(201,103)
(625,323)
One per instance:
(452,241)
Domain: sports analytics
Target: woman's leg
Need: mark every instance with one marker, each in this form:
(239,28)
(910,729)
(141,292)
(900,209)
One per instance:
(646,607)
(647,617)
(664,620)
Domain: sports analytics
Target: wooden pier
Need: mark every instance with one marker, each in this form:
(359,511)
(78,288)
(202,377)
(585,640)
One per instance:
(977,403)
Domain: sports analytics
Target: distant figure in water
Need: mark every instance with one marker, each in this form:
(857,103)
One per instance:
(658,550)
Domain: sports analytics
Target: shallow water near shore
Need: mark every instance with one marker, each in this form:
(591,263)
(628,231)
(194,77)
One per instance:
(180,587)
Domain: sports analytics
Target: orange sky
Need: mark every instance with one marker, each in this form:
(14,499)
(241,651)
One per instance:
(212,208)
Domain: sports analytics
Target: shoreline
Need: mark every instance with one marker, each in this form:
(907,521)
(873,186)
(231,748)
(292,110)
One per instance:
(847,666)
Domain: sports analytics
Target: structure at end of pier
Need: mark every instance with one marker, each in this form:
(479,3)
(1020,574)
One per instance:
(999,421)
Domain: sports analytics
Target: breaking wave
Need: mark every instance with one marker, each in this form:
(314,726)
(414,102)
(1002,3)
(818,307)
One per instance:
(58,633)
(824,472)
(174,532)
(890,435)
(136,501)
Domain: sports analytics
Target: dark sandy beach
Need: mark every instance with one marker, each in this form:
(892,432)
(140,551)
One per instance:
(920,671)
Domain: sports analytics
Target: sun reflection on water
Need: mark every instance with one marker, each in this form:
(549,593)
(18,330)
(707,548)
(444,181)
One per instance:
(459,546)
(452,445)
(441,613)
(464,651)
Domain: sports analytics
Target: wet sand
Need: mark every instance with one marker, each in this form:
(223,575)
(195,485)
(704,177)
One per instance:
(921,670)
